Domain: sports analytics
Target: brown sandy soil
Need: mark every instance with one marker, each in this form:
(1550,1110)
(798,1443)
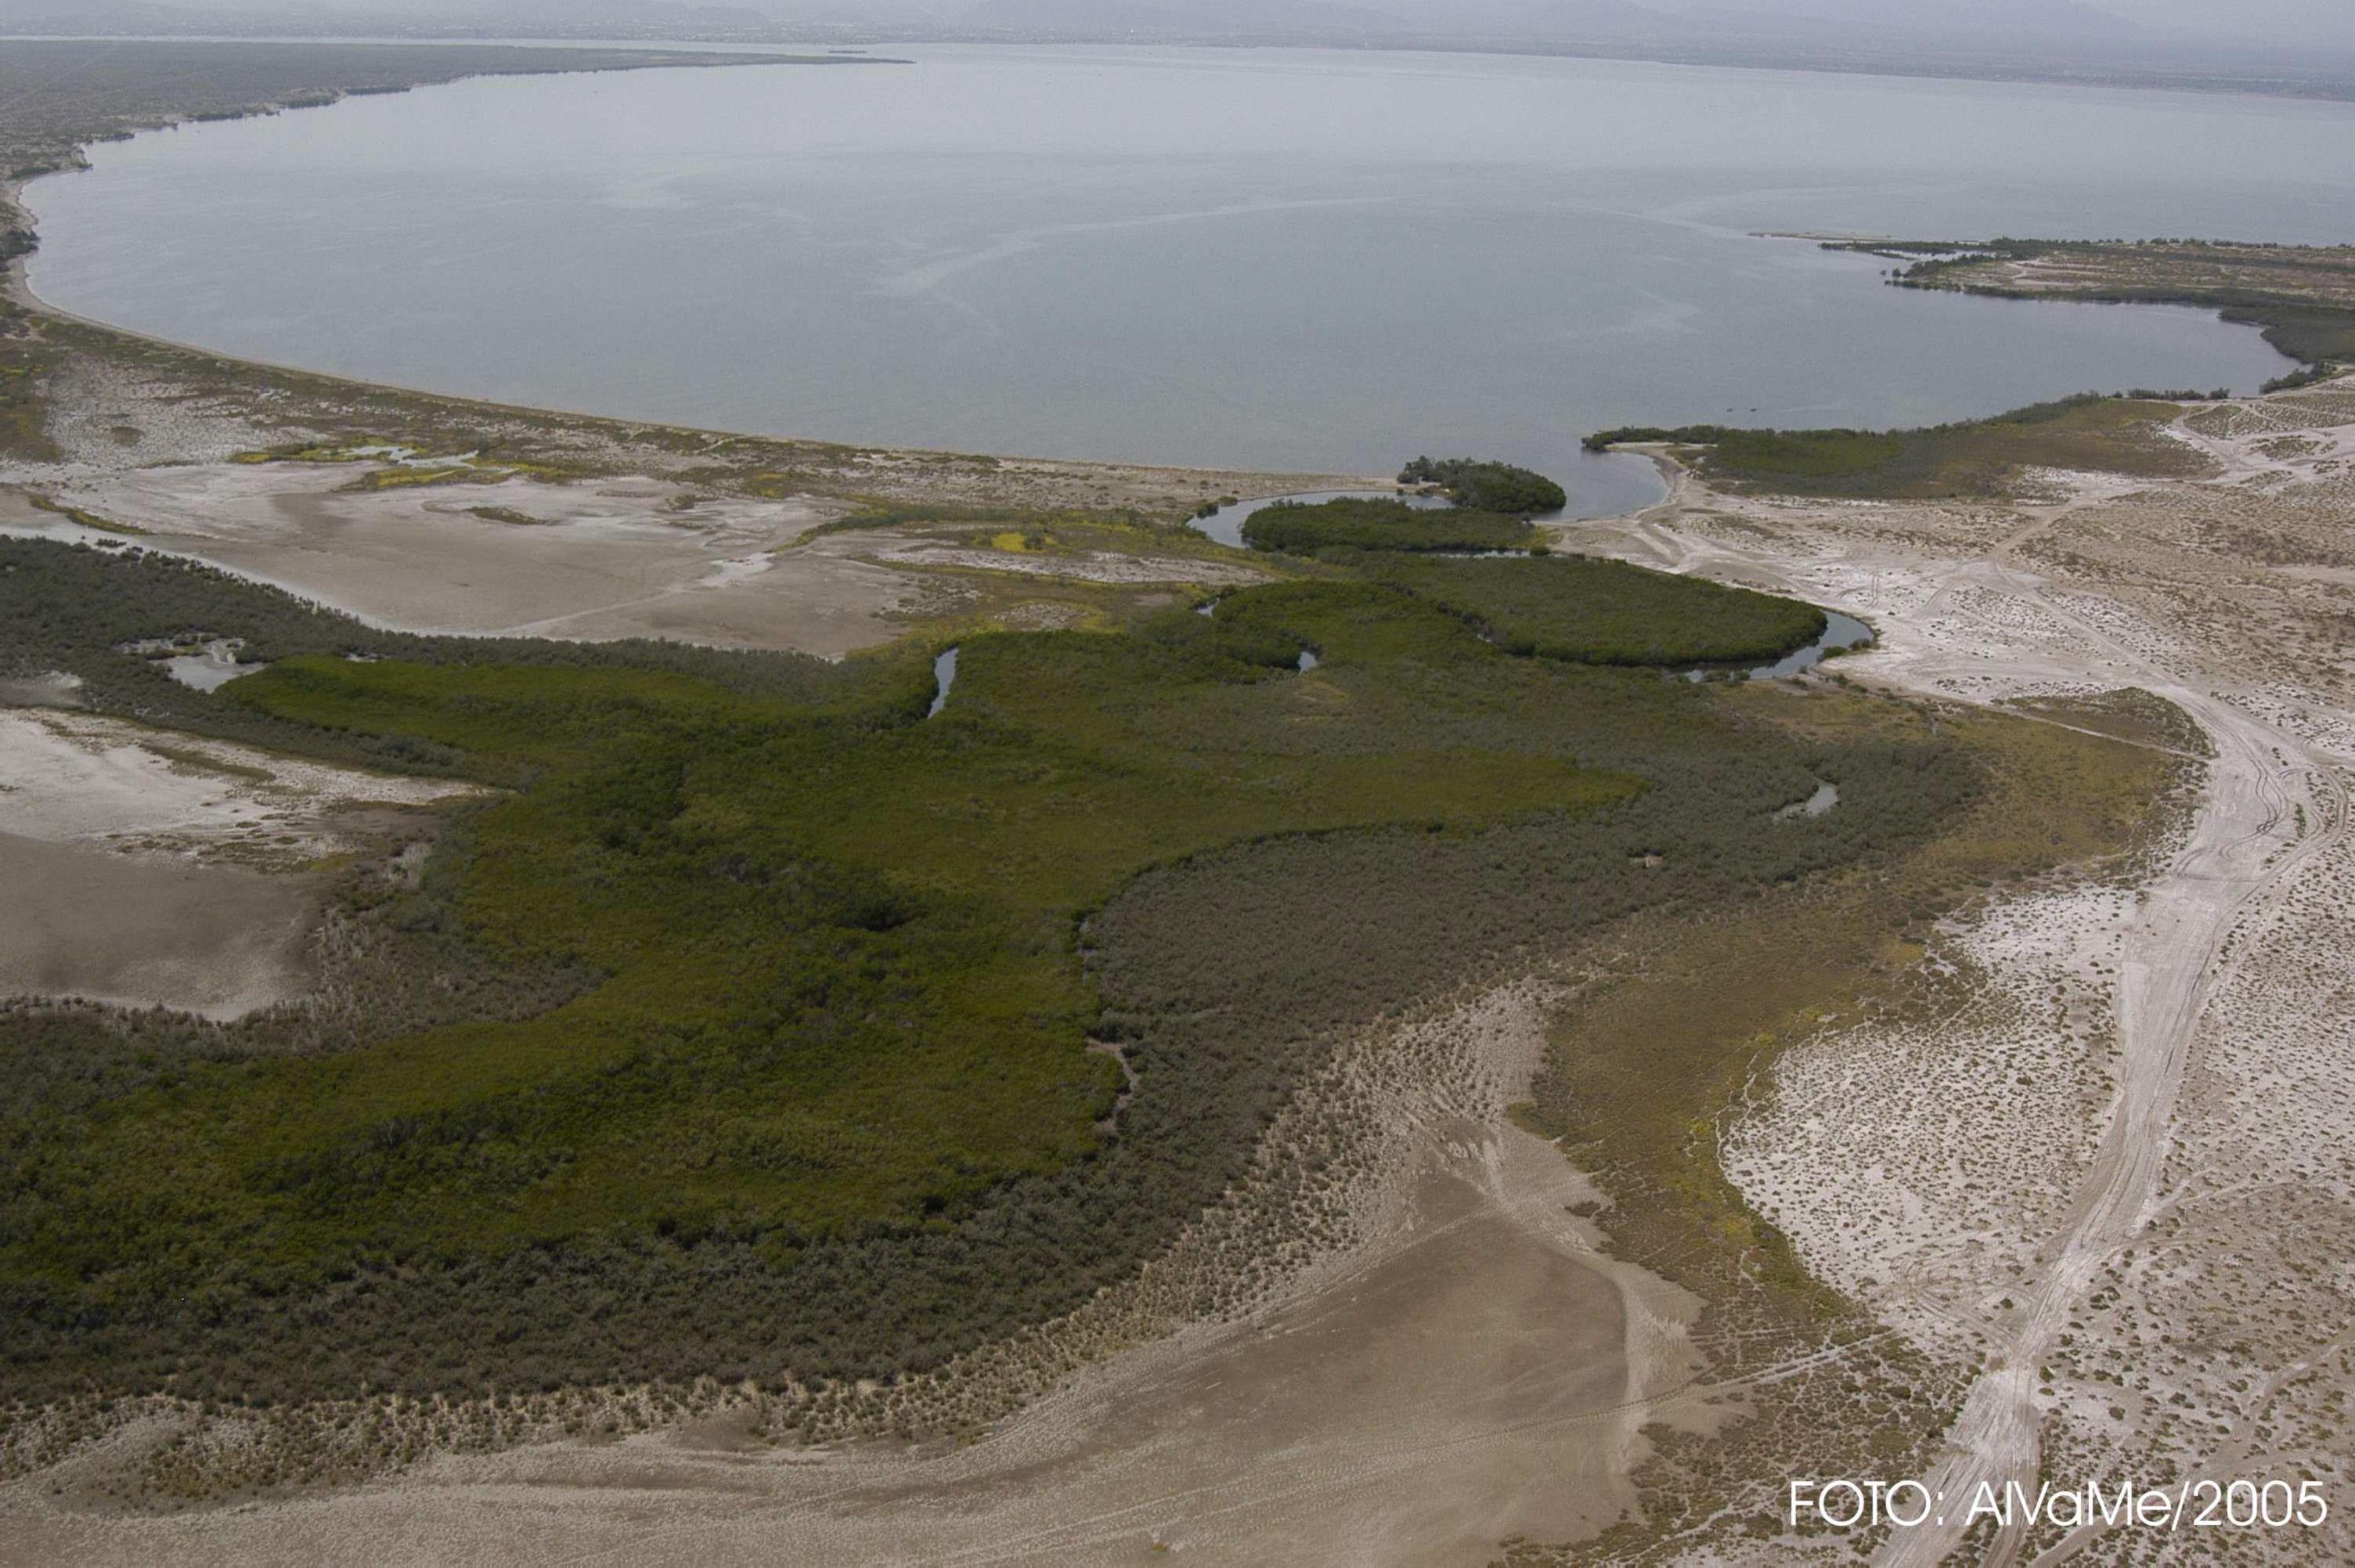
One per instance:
(2115,1189)
(155,869)
(1089,566)
(216,940)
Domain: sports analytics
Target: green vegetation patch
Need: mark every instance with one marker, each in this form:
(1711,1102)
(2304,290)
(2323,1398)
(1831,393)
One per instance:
(1805,455)
(1606,612)
(1488,487)
(510,515)
(1363,523)
(1975,457)
(795,1078)
(82,517)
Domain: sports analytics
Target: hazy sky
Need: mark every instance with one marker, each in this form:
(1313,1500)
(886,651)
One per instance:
(2326,23)
(2268,21)
(2274,18)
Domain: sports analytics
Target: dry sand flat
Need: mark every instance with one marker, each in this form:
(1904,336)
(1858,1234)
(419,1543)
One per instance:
(219,941)
(2119,1177)
(162,870)
(589,560)
(1467,1367)
(1088,566)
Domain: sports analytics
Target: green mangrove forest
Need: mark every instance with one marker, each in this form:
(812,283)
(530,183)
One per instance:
(1298,527)
(752,1029)
(1488,487)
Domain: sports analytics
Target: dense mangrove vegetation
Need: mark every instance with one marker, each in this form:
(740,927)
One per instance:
(1488,487)
(1594,610)
(747,1033)
(1370,523)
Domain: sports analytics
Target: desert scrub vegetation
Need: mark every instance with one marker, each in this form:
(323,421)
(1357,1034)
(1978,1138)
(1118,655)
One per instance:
(1360,523)
(25,364)
(1974,457)
(1488,487)
(803,1089)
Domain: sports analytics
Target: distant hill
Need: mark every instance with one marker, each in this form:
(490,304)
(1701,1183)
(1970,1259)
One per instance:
(2000,20)
(1543,19)
(281,18)
(83,16)
(1183,19)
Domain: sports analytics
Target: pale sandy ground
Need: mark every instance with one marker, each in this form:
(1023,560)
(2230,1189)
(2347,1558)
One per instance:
(1094,566)
(2120,1174)
(607,559)
(612,558)
(151,870)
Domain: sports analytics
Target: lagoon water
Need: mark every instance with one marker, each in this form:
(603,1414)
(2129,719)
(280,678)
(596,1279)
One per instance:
(1298,259)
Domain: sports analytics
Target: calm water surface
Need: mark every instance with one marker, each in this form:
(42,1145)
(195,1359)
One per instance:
(1290,259)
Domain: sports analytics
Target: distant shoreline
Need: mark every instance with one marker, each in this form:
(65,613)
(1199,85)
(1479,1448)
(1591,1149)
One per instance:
(2259,74)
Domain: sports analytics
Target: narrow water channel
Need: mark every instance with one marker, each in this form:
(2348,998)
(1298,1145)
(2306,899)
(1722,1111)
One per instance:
(1840,633)
(944,677)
